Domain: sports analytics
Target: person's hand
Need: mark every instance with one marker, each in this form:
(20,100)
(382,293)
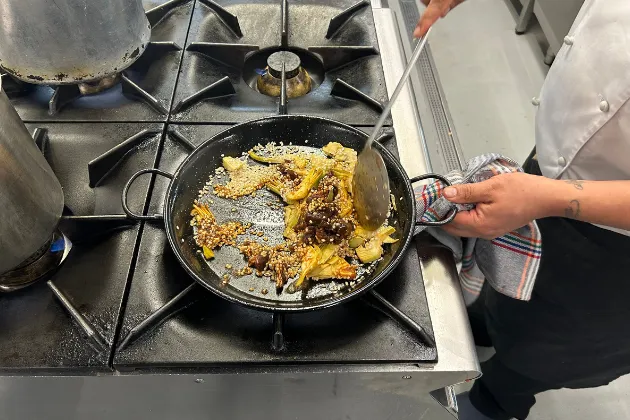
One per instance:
(435,9)
(503,203)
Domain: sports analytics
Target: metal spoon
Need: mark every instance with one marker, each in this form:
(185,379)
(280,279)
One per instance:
(370,184)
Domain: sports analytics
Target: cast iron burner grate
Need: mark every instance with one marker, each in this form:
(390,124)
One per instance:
(253,64)
(129,80)
(81,229)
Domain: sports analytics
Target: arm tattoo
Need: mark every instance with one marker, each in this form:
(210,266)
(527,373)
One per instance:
(573,211)
(579,185)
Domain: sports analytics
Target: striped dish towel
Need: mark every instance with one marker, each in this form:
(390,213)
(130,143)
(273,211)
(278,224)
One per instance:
(509,263)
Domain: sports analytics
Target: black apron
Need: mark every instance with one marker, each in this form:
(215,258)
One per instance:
(575,330)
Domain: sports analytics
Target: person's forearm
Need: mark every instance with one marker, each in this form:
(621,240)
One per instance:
(600,202)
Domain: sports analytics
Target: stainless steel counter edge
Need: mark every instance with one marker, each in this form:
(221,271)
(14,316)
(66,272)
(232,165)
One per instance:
(456,349)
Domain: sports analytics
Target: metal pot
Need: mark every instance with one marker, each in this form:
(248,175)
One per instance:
(70,41)
(31,198)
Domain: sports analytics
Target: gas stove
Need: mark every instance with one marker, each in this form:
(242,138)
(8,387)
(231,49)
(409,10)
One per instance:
(120,300)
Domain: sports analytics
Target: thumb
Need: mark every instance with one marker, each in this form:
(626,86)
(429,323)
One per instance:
(435,10)
(468,193)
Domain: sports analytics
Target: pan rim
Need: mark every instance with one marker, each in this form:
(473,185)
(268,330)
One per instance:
(356,293)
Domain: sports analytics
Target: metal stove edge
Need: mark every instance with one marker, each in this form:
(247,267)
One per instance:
(451,327)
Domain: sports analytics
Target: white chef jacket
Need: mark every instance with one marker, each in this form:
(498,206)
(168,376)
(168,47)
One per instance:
(583,119)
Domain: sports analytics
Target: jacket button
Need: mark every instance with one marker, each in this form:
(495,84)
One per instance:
(535,101)
(568,40)
(604,106)
(562,161)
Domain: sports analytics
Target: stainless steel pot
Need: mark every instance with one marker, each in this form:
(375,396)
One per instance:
(31,198)
(70,41)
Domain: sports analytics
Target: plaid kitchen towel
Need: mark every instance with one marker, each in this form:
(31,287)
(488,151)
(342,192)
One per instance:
(509,263)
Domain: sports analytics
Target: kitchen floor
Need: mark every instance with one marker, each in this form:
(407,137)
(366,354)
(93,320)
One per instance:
(489,76)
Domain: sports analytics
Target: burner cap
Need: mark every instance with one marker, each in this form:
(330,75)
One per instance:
(291,64)
(91,88)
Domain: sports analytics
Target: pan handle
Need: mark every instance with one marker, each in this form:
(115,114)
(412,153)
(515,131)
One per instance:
(451,214)
(150,217)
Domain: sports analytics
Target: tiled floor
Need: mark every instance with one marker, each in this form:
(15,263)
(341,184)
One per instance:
(489,76)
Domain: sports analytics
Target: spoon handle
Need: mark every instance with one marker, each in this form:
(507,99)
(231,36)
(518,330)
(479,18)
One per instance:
(388,108)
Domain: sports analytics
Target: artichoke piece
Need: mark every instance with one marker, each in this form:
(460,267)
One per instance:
(341,173)
(346,206)
(310,181)
(344,176)
(360,236)
(232,164)
(275,186)
(372,249)
(263,159)
(291,219)
(335,268)
(390,240)
(356,241)
(383,233)
(309,263)
(328,252)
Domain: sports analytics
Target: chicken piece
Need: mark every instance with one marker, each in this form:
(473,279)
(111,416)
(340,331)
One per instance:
(340,153)
(344,157)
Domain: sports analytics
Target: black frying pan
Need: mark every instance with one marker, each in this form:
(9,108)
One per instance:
(193,173)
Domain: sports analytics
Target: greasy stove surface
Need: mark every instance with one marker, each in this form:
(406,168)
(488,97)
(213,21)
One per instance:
(121,300)
(36,332)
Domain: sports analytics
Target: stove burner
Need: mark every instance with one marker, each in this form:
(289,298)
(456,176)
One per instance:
(130,82)
(291,64)
(298,81)
(96,86)
(41,264)
(262,71)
